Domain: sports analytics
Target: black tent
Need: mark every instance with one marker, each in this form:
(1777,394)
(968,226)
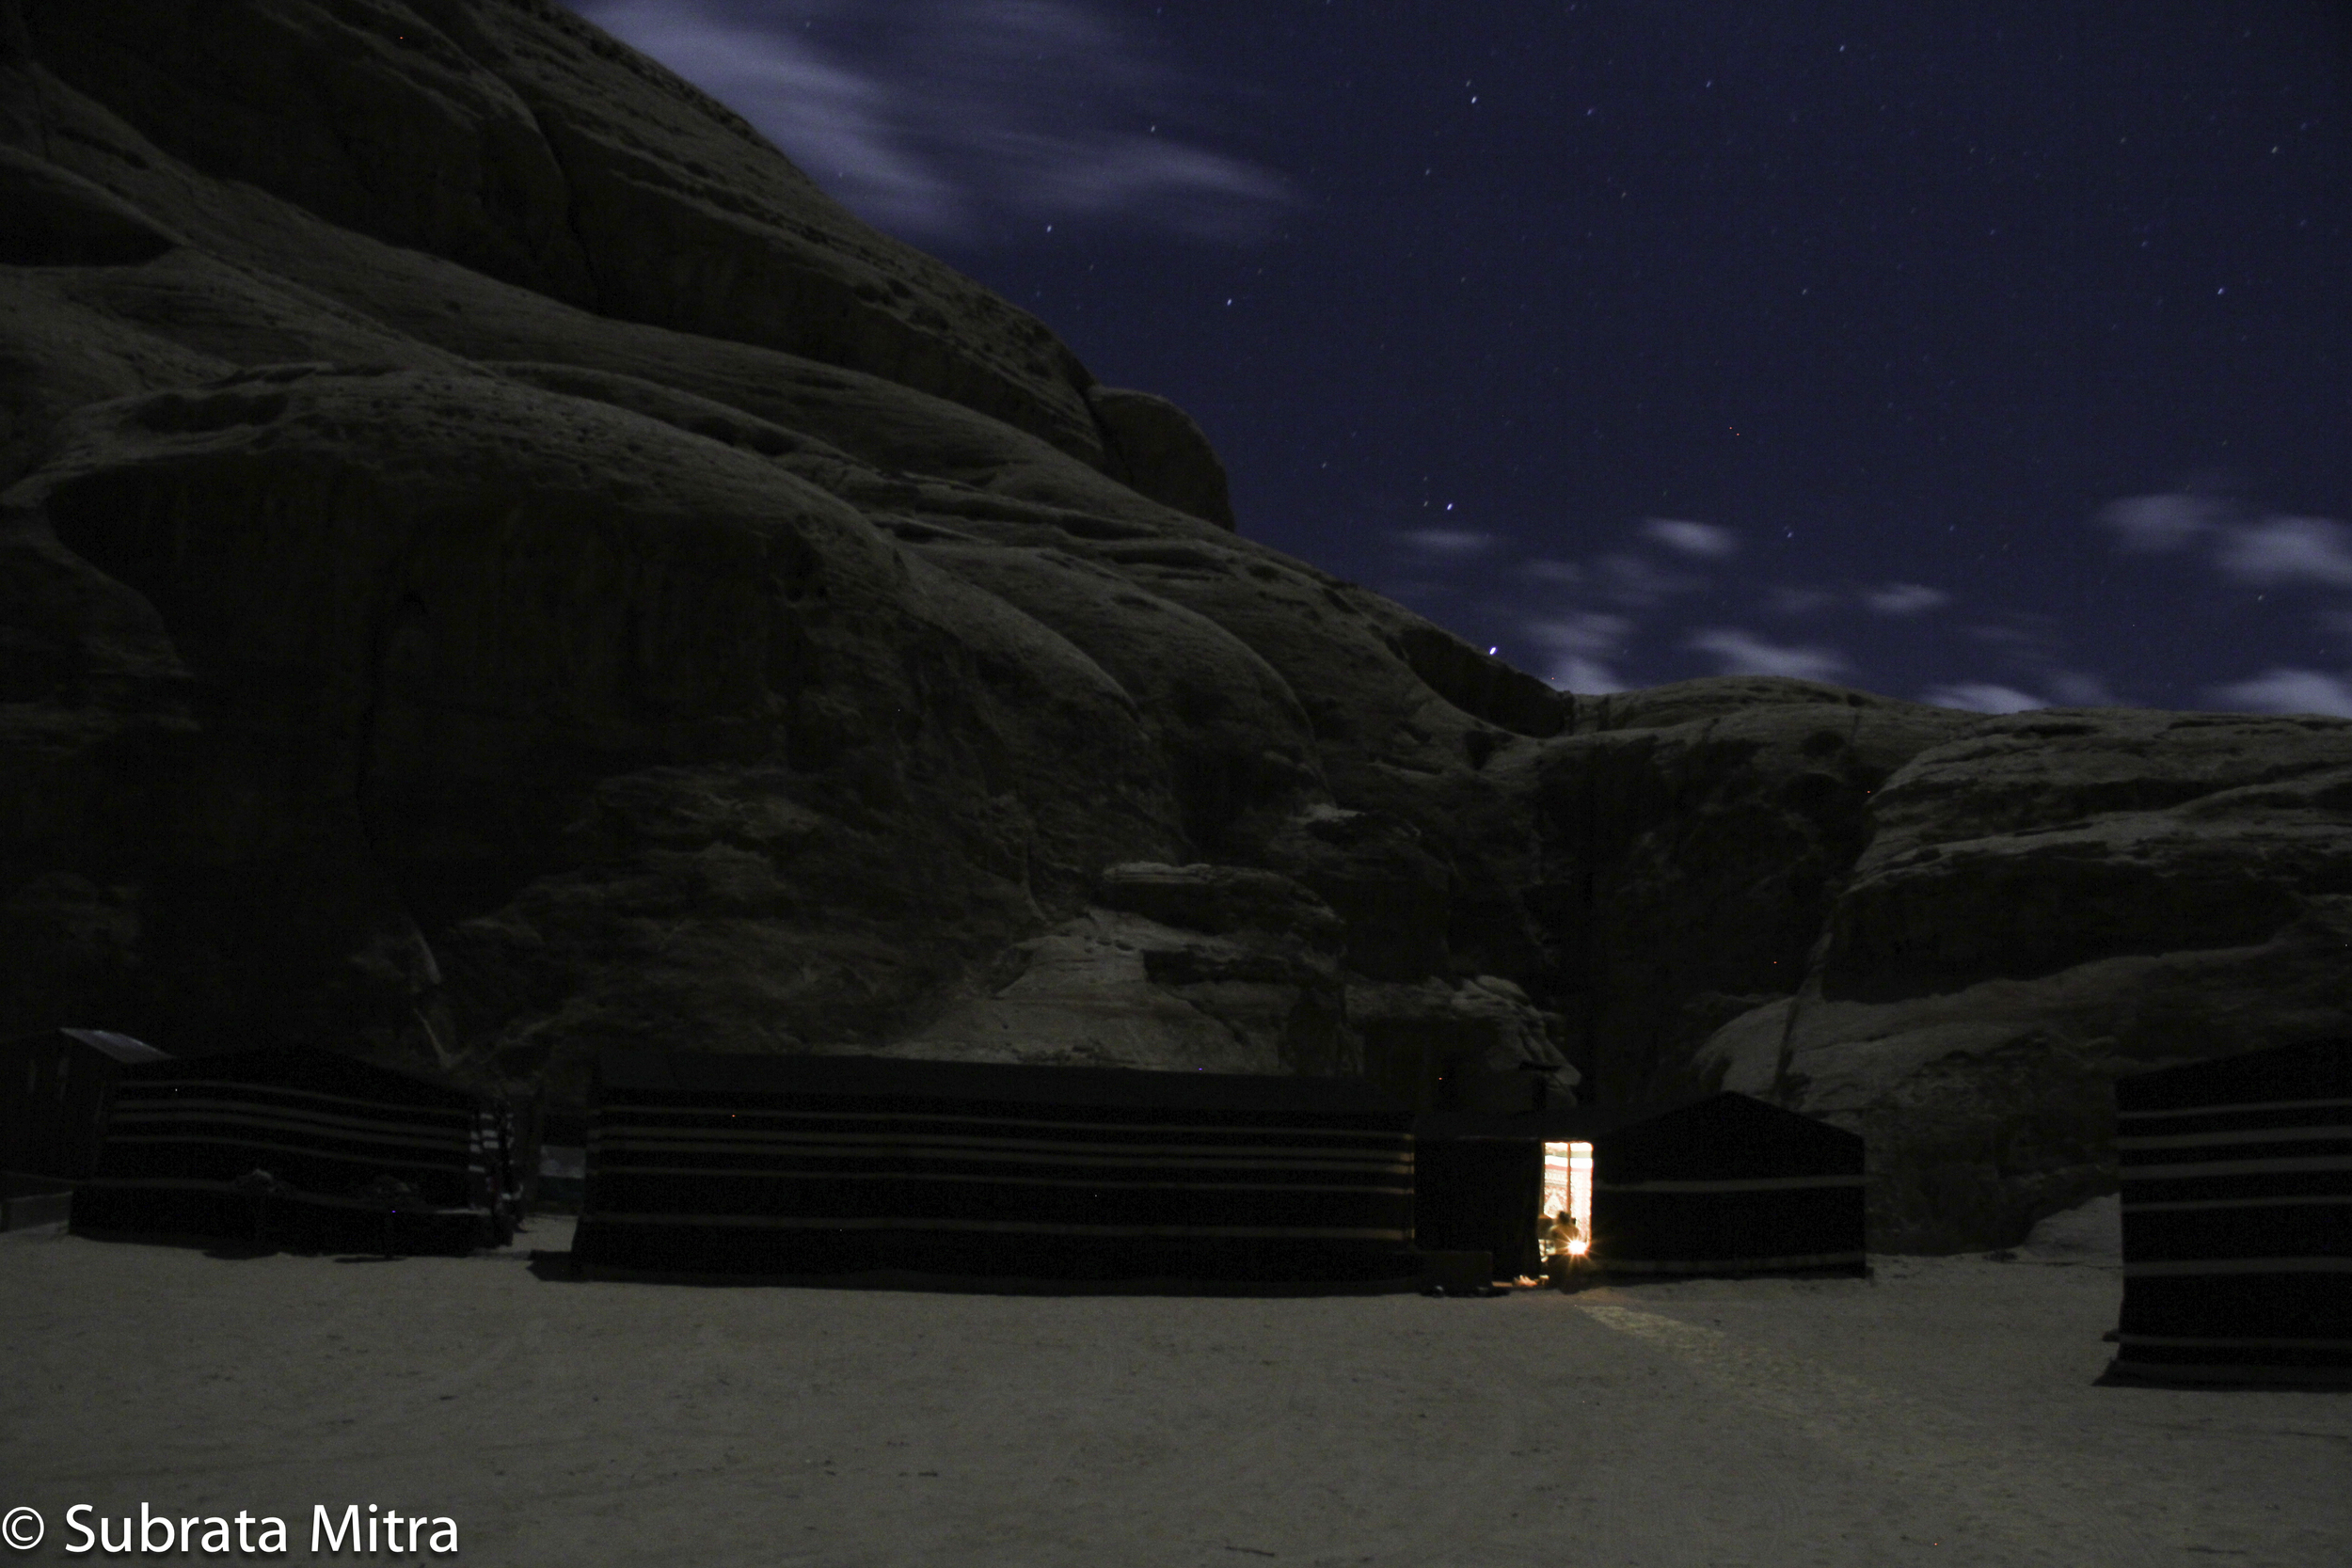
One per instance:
(824,1167)
(2237,1219)
(1478,1179)
(55,1087)
(1723,1185)
(302,1149)
(1727,1185)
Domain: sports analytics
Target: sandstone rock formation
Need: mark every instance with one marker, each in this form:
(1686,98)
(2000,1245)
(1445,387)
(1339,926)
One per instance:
(494,563)
(2045,900)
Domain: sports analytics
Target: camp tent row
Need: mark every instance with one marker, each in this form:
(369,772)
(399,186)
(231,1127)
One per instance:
(2237,1178)
(827,1166)
(818,1166)
(292,1146)
(2237,1219)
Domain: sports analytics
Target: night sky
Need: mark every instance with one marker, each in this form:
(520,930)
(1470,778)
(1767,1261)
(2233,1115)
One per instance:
(1996,353)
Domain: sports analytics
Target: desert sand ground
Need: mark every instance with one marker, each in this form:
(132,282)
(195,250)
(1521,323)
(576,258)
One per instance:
(1943,1412)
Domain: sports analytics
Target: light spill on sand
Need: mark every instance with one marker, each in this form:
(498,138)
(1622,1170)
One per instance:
(1990,1487)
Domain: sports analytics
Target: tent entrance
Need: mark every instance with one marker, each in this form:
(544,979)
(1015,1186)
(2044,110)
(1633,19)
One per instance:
(1565,1222)
(1522,1200)
(1725,1185)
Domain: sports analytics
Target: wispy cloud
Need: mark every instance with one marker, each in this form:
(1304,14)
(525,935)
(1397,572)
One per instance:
(1706,541)
(1745,653)
(2281,690)
(1586,632)
(2079,688)
(1905,598)
(2028,648)
(1982,697)
(2024,637)
(1886,598)
(1454,542)
(942,119)
(2289,549)
(1576,642)
(1585,675)
(1628,579)
(1787,599)
(2263,552)
(2158,524)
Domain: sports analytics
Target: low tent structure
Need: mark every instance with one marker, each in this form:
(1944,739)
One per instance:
(1480,1180)
(2238,1220)
(302,1149)
(55,1088)
(1723,1185)
(1727,1185)
(810,1167)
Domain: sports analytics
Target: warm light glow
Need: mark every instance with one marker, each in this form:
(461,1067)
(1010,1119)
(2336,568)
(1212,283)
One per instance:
(1567,1190)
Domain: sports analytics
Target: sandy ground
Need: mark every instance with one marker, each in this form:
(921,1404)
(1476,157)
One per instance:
(1942,1413)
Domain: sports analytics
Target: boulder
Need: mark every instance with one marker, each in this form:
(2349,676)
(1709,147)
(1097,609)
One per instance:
(1156,447)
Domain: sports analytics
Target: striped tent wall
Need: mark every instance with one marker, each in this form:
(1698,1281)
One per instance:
(304,1150)
(2237,1219)
(817,1166)
(1727,1185)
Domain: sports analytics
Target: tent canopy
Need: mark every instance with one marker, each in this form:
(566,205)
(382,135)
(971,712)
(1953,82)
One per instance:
(1725,1185)
(315,1150)
(819,1166)
(2237,1219)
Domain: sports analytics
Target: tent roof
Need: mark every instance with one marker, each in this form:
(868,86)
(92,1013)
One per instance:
(899,1077)
(2316,1070)
(1728,1133)
(302,1066)
(122,1048)
(1729,1136)
(1562,1124)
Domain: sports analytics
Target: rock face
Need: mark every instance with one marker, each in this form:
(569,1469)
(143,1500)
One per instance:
(494,563)
(1159,451)
(2048,899)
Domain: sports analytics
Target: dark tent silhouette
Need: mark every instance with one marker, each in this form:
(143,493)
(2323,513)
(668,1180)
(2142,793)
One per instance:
(1478,1179)
(1723,1185)
(2237,1219)
(1727,1185)
(824,1167)
(55,1087)
(301,1149)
